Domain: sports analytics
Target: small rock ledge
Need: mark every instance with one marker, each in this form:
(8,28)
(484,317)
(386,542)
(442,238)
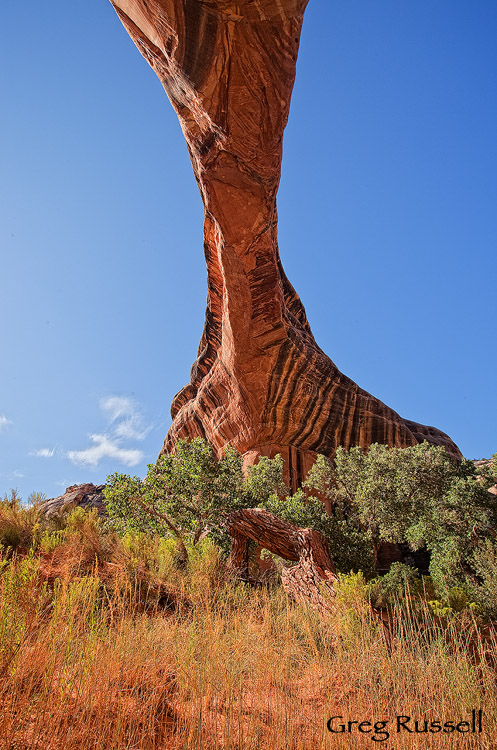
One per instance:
(87,496)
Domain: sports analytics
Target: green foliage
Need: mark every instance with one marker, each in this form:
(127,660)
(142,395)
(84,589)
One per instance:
(484,562)
(487,471)
(83,521)
(402,588)
(157,554)
(123,494)
(458,600)
(464,511)
(265,479)
(380,493)
(186,493)
(351,589)
(348,545)
(401,582)
(194,488)
(383,489)
(50,540)
(453,528)
(352,612)
(417,495)
(19,523)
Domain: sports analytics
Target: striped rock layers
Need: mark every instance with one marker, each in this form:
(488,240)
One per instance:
(260,381)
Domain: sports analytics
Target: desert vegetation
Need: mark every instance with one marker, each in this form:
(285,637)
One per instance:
(128,632)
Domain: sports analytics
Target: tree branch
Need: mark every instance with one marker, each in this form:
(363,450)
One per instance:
(169,524)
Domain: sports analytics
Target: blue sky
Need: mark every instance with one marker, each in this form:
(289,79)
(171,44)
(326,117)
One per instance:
(388,227)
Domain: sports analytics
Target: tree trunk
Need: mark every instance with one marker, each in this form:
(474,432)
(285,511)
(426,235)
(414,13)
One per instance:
(311,580)
(182,550)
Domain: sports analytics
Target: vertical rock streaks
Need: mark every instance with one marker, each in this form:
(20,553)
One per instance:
(260,380)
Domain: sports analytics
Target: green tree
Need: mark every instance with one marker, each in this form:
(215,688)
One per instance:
(383,491)
(349,547)
(265,478)
(484,562)
(487,471)
(189,492)
(417,495)
(184,493)
(453,527)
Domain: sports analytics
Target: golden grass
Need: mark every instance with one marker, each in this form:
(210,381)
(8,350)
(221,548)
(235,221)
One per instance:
(90,657)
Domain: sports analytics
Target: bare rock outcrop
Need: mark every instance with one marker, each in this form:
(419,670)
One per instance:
(484,463)
(87,496)
(260,381)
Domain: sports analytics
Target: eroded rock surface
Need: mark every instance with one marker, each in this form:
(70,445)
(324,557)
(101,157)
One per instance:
(86,496)
(260,381)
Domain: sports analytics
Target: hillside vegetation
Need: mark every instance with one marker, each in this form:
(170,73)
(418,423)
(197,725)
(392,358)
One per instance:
(111,637)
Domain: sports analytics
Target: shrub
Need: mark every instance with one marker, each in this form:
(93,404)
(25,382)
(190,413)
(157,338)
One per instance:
(417,496)
(400,583)
(485,589)
(19,524)
(184,494)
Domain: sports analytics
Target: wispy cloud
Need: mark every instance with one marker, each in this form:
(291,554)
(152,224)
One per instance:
(118,406)
(126,417)
(126,424)
(105,446)
(43,452)
(4,422)
(132,429)
(10,476)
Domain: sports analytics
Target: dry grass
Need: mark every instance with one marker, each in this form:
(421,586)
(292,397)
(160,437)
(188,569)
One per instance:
(93,654)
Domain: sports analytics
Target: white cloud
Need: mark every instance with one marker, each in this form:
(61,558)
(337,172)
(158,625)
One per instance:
(132,429)
(105,446)
(4,421)
(125,424)
(126,417)
(43,452)
(118,406)
(11,475)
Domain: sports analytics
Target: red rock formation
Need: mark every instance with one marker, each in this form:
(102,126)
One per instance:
(87,496)
(260,381)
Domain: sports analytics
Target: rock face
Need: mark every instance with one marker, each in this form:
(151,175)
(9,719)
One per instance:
(87,496)
(260,381)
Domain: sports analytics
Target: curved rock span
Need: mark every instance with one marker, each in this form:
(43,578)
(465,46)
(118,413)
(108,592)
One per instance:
(260,380)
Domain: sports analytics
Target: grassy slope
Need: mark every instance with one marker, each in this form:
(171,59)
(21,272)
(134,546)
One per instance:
(105,644)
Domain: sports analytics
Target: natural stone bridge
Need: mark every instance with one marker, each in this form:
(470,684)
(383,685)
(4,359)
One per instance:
(260,381)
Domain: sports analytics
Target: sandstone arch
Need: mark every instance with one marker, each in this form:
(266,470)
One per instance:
(260,381)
